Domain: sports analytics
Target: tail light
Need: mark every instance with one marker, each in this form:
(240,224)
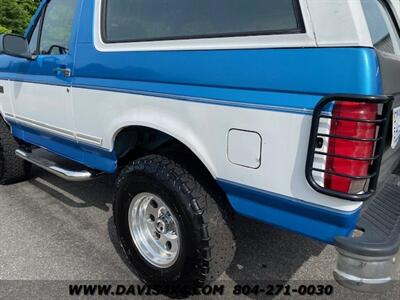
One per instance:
(346,146)
(351,146)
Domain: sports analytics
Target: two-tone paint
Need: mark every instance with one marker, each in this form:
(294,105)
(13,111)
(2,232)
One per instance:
(197,91)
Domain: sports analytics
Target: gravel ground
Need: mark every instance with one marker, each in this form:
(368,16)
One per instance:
(54,232)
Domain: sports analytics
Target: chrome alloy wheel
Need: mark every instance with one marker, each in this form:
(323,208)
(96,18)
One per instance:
(154,230)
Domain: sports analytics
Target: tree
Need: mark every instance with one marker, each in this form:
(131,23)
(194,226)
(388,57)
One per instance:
(4,30)
(15,15)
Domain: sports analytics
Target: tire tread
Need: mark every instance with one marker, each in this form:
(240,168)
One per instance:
(203,207)
(12,168)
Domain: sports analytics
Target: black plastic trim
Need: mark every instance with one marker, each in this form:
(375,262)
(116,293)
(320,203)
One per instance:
(379,224)
(376,159)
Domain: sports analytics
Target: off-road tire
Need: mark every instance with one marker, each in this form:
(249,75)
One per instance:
(12,168)
(207,243)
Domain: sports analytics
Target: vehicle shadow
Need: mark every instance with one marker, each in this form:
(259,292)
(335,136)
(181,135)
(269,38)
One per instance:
(96,193)
(264,254)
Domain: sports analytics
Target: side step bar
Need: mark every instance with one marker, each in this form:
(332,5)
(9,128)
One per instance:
(58,170)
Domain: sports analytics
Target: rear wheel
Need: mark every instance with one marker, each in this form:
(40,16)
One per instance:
(174,233)
(154,230)
(12,168)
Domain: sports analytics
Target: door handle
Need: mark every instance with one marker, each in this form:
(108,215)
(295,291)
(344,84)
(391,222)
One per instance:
(65,71)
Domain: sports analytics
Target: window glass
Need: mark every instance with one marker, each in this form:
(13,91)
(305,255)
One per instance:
(57,26)
(382,29)
(33,42)
(141,20)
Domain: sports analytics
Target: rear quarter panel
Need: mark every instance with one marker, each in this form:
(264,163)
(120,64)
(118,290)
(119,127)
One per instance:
(197,96)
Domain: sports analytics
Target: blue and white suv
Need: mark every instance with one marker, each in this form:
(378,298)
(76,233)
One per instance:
(283,111)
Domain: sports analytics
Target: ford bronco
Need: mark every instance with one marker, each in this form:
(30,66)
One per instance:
(285,111)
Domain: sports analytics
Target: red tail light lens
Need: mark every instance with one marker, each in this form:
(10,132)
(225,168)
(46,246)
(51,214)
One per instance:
(351,146)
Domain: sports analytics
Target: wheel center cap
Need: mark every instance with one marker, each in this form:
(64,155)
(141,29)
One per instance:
(161,226)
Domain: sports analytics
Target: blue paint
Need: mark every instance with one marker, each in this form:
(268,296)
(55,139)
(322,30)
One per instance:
(208,95)
(232,75)
(202,75)
(277,77)
(311,220)
(42,69)
(92,157)
(293,78)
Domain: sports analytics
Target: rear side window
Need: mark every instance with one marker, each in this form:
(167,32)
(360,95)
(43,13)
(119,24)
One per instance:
(151,20)
(382,28)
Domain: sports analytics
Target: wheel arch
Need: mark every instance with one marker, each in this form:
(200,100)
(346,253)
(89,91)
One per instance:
(185,137)
(183,153)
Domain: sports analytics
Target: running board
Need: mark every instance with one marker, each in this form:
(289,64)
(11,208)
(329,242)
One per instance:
(56,169)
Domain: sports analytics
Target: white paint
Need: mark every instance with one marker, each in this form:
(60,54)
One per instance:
(43,126)
(339,23)
(204,129)
(244,148)
(45,105)
(360,23)
(396,6)
(5,98)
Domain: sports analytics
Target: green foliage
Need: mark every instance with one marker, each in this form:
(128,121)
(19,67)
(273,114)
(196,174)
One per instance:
(15,15)
(4,30)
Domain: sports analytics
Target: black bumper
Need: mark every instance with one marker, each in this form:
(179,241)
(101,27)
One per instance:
(369,262)
(379,222)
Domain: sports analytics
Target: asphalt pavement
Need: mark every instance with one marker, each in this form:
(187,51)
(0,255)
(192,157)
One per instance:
(54,232)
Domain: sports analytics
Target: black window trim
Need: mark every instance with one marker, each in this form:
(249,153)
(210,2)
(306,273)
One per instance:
(297,10)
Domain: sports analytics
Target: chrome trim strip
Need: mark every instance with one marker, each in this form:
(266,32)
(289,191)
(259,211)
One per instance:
(302,111)
(210,101)
(89,139)
(7,114)
(45,126)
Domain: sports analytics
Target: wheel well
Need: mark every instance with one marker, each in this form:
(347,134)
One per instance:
(134,142)
(138,141)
